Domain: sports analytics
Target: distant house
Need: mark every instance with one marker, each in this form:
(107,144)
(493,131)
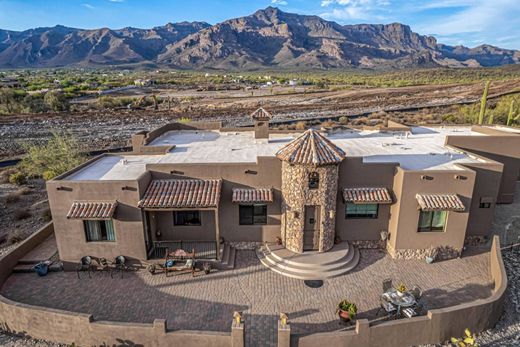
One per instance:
(10,83)
(144,82)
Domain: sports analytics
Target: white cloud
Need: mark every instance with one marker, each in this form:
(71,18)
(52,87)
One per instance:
(89,6)
(116,0)
(279,2)
(344,10)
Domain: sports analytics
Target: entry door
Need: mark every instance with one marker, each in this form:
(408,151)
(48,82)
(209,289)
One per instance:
(311,228)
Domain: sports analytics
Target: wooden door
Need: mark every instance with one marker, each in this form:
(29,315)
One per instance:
(311,230)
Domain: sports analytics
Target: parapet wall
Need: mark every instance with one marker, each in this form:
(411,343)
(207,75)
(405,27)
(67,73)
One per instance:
(83,330)
(438,326)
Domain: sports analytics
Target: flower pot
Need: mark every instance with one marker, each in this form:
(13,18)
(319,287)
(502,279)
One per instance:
(344,315)
(429,260)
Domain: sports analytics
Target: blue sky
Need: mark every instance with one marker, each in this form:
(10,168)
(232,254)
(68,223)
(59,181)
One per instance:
(467,22)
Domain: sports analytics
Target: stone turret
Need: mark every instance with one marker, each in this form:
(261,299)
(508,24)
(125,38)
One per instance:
(261,120)
(309,190)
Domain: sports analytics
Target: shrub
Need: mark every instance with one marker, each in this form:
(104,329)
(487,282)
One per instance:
(343,120)
(18,178)
(5,174)
(301,125)
(22,213)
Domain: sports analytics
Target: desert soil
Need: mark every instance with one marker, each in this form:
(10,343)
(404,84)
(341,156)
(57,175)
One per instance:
(99,129)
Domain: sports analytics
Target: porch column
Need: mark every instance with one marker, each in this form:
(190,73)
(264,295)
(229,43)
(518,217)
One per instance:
(217,233)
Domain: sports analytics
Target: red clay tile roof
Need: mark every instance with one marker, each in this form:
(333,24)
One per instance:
(367,195)
(440,202)
(253,195)
(92,210)
(261,113)
(313,148)
(183,193)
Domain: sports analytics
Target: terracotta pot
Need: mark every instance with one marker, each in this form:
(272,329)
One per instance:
(344,315)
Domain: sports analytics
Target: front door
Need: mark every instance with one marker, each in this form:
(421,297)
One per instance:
(311,235)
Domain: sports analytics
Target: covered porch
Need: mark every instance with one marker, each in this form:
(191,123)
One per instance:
(182,214)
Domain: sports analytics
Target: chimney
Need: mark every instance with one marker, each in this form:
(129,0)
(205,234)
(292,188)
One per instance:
(261,120)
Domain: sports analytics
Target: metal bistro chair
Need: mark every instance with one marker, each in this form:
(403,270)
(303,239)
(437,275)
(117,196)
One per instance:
(409,312)
(416,292)
(85,264)
(103,265)
(387,306)
(120,265)
(387,285)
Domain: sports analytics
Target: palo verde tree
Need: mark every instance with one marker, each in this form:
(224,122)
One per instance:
(483,102)
(59,155)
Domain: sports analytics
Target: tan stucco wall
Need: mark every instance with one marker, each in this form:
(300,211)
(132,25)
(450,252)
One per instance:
(128,226)
(405,213)
(353,173)
(501,148)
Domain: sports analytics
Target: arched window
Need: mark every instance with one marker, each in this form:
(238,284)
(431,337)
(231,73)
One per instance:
(314,180)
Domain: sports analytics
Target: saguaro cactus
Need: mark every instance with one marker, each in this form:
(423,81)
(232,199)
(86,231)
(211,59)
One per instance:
(483,102)
(510,115)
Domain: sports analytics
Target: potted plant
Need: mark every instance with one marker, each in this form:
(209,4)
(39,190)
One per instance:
(346,310)
(401,288)
(278,241)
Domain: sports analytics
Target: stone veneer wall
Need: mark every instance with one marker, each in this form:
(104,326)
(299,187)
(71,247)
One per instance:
(296,195)
(438,253)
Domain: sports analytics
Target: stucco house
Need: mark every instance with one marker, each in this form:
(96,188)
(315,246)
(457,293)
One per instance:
(413,190)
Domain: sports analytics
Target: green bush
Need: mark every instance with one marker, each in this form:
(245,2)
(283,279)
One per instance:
(18,178)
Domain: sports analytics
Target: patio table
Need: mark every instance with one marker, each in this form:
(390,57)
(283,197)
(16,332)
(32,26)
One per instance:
(405,299)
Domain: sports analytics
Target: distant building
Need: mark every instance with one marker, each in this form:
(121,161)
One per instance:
(10,83)
(144,82)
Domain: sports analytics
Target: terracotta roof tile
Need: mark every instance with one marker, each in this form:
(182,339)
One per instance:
(313,148)
(182,193)
(367,195)
(92,210)
(440,202)
(252,195)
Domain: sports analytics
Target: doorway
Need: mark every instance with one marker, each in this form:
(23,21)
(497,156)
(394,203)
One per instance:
(311,229)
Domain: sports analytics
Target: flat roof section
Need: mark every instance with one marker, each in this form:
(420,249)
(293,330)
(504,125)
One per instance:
(424,149)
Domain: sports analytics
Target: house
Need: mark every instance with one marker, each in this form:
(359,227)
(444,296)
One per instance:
(414,192)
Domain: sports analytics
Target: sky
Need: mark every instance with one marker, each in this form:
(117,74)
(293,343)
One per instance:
(467,22)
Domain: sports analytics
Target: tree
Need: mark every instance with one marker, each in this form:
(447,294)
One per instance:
(56,101)
(57,156)
(8,100)
(483,102)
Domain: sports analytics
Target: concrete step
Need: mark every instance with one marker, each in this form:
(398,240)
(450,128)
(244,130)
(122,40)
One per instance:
(305,270)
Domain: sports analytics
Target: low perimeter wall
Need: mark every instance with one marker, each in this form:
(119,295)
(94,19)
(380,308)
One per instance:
(81,329)
(437,326)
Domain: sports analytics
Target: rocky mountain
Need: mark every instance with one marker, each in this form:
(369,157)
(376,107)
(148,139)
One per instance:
(267,38)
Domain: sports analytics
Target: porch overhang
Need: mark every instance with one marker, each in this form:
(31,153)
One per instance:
(252,195)
(367,195)
(181,194)
(92,210)
(440,202)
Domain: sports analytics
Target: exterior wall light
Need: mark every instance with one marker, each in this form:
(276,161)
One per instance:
(384,235)
(283,319)
(332,214)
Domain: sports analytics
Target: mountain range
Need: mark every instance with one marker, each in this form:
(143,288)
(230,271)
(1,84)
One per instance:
(267,38)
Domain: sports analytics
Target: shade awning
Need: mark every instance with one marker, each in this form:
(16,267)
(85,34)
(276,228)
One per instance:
(252,195)
(440,202)
(92,210)
(367,195)
(182,193)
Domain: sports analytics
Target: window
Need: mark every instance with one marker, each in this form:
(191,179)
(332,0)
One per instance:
(252,214)
(361,210)
(432,221)
(186,218)
(484,205)
(314,180)
(99,230)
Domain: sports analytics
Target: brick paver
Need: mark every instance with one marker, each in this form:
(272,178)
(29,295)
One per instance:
(208,302)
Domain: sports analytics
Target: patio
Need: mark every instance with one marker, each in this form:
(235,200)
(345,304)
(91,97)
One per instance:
(208,302)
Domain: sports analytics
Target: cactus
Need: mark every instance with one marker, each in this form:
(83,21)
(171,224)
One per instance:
(510,115)
(490,119)
(483,103)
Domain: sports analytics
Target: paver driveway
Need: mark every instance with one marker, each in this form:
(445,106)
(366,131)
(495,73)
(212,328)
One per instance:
(208,302)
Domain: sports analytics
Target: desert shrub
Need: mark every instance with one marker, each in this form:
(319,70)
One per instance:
(5,174)
(24,191)
(300,125)
(22,213)
(56,101)
(12,197)
(57,156)
(184,120)
(46,215)
(18,178)
(343,120)
(328,123)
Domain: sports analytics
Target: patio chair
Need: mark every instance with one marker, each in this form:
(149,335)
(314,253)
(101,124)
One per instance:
(386,306)
(387,285)
(416,292)
(119,265)
(408,312)
(102,265)
(186,261)
(85,264)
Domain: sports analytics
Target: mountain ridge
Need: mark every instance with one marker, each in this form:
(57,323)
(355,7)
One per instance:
(265,39)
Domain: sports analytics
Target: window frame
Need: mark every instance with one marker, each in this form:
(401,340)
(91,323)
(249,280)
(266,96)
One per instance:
(313,181)
(361,215)
(484,205)
(103,229)
(432,229)
(176,218)
(251,207)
